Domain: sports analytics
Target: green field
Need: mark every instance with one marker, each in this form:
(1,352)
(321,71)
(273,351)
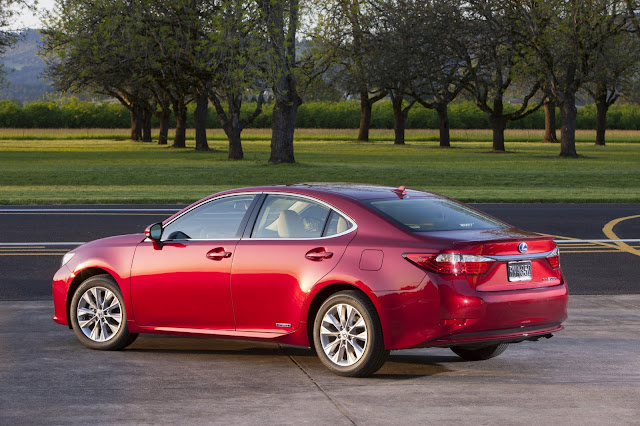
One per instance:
(101,166)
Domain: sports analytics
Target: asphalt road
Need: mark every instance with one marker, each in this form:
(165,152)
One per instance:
(590,267)
(588,374)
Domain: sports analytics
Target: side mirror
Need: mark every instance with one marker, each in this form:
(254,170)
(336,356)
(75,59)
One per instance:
(154,232)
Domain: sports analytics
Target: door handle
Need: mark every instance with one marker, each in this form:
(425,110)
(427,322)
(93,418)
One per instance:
(218,253)
(318,254)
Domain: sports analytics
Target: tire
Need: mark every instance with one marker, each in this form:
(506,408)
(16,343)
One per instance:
(97,326)
(479,354)
(356,350)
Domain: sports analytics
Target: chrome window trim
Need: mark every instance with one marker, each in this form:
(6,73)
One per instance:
(315,200)
(235,194)
(207,202)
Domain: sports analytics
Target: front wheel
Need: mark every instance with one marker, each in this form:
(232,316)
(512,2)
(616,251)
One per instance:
(480,354)
(98,317)
(348,336)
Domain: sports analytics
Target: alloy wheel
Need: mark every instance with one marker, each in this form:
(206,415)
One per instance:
(99,314)
(343,334)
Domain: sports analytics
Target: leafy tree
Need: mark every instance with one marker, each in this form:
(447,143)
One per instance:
(280,18)
(343,37)
(568,39)
(97,47)
(9,34)
(443,47)
(238,46)
(499,67)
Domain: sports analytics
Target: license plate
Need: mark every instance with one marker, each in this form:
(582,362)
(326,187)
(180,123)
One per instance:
(519,271)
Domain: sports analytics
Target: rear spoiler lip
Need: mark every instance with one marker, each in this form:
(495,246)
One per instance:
(504,240)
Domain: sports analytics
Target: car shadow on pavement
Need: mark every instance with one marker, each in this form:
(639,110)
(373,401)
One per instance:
(399,366)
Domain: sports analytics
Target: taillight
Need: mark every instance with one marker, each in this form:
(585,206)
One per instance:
(452,263)
(554,258)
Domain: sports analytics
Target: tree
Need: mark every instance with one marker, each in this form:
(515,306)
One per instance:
(9,34)
(499,67)
(343,37)
(239,49)
(392,46)
(100,47)
(281,23)
(612,75)
(567,39)
(443,41)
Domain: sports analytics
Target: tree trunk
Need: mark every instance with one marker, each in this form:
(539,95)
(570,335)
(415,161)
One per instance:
(146,124)
(235,142)
(283,121)
(399,119)
(200,120)
(602,108)
(498,124)
(365,117)
(163,117)
(180,111)
(136,122)
(550,121)
(568,130)
(443,122)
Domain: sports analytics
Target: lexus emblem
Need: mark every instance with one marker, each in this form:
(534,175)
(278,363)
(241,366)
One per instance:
(522,247)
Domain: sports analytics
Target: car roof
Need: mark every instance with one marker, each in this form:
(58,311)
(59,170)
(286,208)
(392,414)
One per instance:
(351,190)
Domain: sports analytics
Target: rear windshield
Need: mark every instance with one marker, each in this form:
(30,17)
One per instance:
(432,214)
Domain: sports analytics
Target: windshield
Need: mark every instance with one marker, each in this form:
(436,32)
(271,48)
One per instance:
(432,214)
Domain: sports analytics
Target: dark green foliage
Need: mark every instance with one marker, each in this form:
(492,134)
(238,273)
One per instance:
(322,115)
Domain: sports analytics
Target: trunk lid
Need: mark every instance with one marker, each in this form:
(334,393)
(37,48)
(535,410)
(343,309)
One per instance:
(521,260)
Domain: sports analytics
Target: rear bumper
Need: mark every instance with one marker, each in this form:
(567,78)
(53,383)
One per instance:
(517,315)
(448,312)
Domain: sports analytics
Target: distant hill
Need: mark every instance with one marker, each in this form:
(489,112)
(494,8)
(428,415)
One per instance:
(24,70)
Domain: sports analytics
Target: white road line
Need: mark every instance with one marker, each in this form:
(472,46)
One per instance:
(86,210)
(75,243)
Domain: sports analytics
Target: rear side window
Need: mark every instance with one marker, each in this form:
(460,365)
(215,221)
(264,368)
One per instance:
(432,214)
(284,216)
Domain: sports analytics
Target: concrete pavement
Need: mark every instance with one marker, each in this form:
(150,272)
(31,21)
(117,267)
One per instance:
(588,374)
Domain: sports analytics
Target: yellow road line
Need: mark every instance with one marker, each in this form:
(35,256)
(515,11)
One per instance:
(600,244)
(608,231)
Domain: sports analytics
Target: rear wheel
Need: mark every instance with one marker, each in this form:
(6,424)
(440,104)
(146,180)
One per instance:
(348,336)
(98,317)
(481,353)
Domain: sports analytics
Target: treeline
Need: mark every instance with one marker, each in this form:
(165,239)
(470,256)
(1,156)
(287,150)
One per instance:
(322,115)
(158,59)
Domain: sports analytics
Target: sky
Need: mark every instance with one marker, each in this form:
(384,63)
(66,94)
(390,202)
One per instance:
(28,19)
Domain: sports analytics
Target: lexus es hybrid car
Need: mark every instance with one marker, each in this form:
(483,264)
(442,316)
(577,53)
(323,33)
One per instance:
(353,271)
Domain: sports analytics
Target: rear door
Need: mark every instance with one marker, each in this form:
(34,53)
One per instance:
(294,243)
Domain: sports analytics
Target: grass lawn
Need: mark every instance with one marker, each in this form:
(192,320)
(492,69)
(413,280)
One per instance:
(42,166)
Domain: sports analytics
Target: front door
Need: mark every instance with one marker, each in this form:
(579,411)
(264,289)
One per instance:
(184,281)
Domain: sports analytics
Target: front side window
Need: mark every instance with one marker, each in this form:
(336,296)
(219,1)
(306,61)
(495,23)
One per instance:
(432,214)
(215,220)
(284,216)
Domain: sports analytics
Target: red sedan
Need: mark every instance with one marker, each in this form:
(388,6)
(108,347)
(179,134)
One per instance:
(351,270)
